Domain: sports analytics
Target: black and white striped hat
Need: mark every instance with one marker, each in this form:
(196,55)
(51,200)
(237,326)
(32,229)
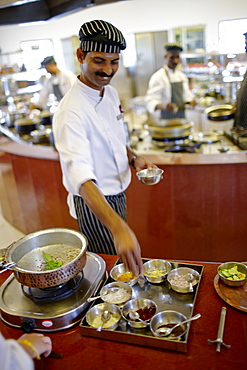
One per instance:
(101,36)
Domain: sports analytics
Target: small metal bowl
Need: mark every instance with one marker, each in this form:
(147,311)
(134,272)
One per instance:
(182,271)
(119,270)
(134,305)
(168,317)
(233,283)
(97,310)
(156,265)
(120,285)
(150,177)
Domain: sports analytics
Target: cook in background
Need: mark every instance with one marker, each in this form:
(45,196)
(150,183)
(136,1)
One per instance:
(18,354)
(168,89)
(241,104)
(57,82)
(90,138)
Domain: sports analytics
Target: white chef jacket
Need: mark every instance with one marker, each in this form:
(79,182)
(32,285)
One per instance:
(13,356)
(159,89)
(90,137)
(64,79)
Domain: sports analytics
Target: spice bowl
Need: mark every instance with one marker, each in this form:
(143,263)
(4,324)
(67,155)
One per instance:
(120,271)
(146,309)
(177,278)
(169,318)
(117,293)
(150,177)
(156,270)
(95,313)
(241,268)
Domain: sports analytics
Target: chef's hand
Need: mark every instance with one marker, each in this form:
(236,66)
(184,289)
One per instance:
(171,107)
(142,163)
(128,248)
(41,344)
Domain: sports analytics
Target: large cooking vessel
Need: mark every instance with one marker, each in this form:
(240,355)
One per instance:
(170,129)
(220,113)
(45,240)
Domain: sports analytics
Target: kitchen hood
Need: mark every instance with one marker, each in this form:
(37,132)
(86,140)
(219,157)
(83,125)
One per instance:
(26,11)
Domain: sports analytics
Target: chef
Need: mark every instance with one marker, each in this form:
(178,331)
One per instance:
(168,89)
(57,82)
(90,138)
(241,104)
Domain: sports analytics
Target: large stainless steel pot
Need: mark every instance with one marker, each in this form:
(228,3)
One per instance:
(220,112)
(171,130)
(43,240)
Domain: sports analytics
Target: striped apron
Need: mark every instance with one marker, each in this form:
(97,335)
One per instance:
(100,239)
(177,98)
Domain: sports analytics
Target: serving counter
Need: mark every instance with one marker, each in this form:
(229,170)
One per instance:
(92,353)
(197,212)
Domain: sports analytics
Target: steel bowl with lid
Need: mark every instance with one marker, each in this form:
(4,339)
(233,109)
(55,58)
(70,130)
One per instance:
(233,274)
(156,270)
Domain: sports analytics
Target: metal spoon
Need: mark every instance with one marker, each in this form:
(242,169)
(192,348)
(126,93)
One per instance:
(104,318)
(167,331)
(133,315)
(189,278)
(113,289)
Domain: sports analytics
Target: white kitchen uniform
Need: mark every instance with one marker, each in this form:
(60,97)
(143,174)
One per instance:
(90,138)
(160,89)
(58,85)
(13,356)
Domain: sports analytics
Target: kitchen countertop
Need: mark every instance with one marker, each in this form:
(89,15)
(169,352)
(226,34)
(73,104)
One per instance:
(92,353)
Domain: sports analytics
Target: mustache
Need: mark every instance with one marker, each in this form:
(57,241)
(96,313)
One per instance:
(102,74)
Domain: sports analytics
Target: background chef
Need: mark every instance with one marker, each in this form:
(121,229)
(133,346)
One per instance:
(168,89)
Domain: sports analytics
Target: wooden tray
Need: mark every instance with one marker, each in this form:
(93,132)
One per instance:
(235,297)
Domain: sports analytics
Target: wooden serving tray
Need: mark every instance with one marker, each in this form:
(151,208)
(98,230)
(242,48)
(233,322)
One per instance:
(235,297)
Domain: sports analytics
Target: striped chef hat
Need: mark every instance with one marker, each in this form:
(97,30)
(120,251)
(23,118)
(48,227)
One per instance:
(101,36)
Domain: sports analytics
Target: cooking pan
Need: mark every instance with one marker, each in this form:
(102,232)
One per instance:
(175,130)
(25,255)
(220,112)
(24,125)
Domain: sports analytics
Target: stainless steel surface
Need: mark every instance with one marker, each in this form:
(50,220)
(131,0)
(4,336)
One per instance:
(150,177)
(16,309)
(98,310)
(134,305)
(190,278)
(182,272)
(156,265)
(44,240)
(165,299)
(167,331)
(119,270)
(241,268)
(219,341)
(205,138)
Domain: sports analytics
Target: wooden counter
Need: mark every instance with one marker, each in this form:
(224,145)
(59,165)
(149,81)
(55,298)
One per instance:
(197,212)
(92,353)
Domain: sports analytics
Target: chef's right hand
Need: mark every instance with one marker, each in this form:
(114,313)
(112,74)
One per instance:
(171,107)
(128,248)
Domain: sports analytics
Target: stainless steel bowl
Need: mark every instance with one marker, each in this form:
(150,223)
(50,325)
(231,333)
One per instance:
(150,177)
(119,270)
(168,317)
(158,267)
(182,272)
(134,305)
(233,283)
(119,285)
(94,314)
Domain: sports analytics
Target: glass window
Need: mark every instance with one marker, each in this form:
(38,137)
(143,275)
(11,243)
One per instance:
(34,51)
(231,39)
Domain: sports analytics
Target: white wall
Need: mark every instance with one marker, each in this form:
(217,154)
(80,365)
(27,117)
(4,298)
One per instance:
(131,17)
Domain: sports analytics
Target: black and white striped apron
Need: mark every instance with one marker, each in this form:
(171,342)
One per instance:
(100,239)
(241,108)
(176,98)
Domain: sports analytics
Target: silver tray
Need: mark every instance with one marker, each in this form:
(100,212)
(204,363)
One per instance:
(166,299)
